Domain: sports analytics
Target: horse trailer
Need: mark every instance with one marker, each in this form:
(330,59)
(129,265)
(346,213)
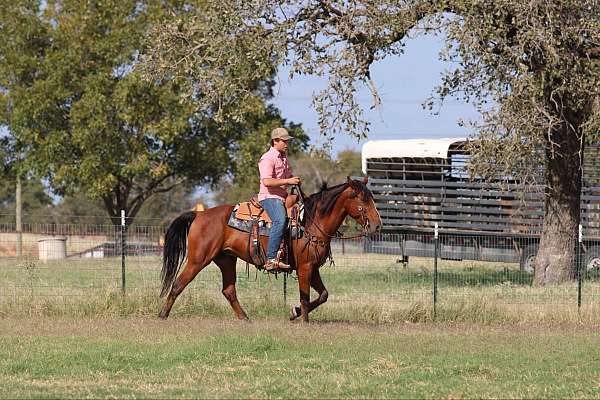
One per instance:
(419,183)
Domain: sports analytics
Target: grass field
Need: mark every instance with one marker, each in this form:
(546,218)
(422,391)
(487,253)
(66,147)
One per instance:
(67,330)
(137,357)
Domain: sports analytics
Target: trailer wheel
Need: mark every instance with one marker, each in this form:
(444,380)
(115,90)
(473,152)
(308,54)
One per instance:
(528,257)
(592,259)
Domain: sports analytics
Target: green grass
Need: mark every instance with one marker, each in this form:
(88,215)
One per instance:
(212,358)
(67,331)
(374,288)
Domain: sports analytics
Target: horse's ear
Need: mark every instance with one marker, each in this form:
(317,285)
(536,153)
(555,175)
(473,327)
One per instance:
(323,185)
(352,185)
(365,179)
(350,182)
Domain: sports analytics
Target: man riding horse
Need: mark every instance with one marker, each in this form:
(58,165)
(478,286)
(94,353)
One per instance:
(275,175)
(198,238)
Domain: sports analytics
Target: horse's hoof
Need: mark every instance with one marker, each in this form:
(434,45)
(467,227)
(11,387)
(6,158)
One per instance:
(294,313)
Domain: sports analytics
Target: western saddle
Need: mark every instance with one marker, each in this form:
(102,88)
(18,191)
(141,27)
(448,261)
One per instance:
(253,212)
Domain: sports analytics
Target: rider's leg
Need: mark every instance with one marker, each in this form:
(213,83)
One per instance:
(276,211)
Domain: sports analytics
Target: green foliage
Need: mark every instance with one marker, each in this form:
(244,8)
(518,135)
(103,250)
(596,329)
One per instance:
(85,120)
(162,208)
(533,58)
(77,208)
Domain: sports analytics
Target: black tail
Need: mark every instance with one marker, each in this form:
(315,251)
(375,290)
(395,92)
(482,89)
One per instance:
(175,249)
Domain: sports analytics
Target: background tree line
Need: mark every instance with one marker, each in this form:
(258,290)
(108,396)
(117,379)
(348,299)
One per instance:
(81,123)
(316,167)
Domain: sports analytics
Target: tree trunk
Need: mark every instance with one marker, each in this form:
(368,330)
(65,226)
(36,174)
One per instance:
(555,260)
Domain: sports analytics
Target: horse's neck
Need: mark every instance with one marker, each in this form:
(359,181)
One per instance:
(330,224)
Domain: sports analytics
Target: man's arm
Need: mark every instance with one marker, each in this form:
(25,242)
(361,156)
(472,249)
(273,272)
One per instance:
(269,182)
(266,168)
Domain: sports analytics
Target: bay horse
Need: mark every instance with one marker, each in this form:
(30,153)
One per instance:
(209,238)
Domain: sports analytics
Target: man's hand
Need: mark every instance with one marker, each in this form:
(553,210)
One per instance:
(294,180)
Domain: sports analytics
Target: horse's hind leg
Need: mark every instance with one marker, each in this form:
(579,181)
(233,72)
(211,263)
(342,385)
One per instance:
(316,283)
(227,264)
(191,269)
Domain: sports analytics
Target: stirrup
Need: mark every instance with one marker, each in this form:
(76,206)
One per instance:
(276,266)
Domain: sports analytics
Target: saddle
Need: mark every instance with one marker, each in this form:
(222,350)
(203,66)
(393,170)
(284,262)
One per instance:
(253,211)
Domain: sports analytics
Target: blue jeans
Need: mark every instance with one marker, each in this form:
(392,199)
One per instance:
(276,211)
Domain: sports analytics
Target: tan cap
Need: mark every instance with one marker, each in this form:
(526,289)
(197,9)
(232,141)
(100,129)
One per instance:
(280,133)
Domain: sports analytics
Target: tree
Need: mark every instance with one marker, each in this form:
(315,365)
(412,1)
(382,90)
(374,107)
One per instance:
(85,119)
(35,199)
(349,163)
(530,67)
(79,209)
(20,192)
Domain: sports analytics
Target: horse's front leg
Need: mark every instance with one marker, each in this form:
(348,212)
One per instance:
(317,284)
(304,279)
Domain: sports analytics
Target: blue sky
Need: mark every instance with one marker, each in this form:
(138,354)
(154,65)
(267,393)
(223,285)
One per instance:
(403,82)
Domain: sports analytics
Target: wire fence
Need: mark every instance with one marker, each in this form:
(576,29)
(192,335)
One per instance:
(64,262)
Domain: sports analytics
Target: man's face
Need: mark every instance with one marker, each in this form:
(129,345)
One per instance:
(280,145)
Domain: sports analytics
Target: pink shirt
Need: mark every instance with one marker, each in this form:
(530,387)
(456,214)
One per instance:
(273,164)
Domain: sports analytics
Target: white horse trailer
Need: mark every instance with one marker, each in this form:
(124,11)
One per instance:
(419,183)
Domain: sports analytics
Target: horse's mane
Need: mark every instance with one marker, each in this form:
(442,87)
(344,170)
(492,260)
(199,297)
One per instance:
(328,196)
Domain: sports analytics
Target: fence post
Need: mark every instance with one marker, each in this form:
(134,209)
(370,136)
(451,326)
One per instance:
(19,218)
(580,267)
(435,258)
(285,288)
(123,251)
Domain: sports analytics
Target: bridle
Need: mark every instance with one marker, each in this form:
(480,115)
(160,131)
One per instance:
(312,239)
(337,235)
